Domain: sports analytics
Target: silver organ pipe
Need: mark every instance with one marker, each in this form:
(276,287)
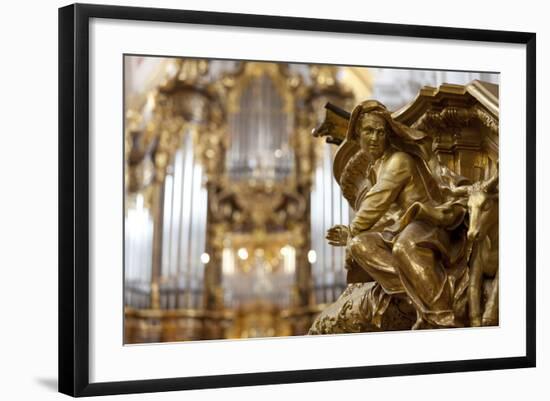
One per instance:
(182,263)
(260,134)
(138,253)
(328,208)
(184,231)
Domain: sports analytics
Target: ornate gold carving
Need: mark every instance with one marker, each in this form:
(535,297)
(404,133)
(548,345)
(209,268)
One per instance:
(363,307)
(482,237)
(183,103)
(428,242)
(268,214)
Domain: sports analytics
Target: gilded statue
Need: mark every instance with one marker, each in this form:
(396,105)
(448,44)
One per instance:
(483,239)
(423,239)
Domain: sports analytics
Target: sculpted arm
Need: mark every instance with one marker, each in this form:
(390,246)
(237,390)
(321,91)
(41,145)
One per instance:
(396,173)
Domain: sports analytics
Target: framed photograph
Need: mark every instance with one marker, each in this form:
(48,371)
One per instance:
(251,199)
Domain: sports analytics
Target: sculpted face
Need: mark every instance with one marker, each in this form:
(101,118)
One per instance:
(372,134)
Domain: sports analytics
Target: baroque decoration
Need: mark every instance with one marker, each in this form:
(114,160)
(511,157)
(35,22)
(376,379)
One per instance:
(422,248)
(256,201)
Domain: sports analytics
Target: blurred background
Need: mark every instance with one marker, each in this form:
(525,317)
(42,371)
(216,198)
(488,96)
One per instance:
(228,196)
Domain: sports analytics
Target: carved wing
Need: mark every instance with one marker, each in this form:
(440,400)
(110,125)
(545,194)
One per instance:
(461,120)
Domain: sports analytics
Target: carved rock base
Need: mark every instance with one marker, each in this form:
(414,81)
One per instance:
(364,307)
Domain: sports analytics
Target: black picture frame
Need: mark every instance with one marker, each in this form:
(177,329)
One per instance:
(74,193)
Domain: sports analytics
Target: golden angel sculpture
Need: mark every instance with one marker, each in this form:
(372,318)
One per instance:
(422,247)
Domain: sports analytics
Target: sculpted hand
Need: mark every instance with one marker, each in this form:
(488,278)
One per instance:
(338,235)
